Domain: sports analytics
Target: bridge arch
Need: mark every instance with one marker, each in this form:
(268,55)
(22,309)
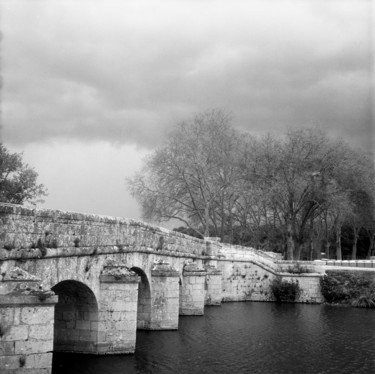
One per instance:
(144,300)
(76,318)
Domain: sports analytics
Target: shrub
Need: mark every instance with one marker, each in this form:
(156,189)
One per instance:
(284,291)
(333,290)
(298,269)
(345,287)
(364,301)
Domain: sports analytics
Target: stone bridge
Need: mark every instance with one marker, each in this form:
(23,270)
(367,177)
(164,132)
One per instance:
(85,283)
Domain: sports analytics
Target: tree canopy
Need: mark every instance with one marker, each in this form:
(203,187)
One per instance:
(292,193)
(18,181)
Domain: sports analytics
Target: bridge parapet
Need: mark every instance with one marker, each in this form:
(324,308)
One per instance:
(370,264)
(26,232)
(34,233)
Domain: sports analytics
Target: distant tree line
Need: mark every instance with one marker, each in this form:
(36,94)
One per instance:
(299,194)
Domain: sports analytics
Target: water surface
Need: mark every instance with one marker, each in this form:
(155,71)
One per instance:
(247,338)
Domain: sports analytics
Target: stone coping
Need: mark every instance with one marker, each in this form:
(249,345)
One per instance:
(212,270)
(165,273)
(22,300)
(301,275)
(164,269)
(349,268)
(120,278)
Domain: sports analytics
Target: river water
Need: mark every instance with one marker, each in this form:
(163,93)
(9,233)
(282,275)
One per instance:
(247,338)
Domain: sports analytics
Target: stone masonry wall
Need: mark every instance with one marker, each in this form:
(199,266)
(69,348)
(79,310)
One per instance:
(26,338)
(192,295)
(78,243)
(309,285)
(118,312)
(24,231)
(245,281)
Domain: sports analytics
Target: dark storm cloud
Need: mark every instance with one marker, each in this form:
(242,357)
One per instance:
(127,71)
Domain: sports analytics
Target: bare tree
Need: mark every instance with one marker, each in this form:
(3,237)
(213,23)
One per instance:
(191,177)
(296,189)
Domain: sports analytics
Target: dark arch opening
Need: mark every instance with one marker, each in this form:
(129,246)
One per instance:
(76,318)
(144,301)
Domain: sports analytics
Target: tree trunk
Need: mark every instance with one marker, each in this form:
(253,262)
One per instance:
(207,219)
(355,240)
(289,241)
(328,245)
(338,242)
(311,240)
(300,249)
(371,246)
(311,249)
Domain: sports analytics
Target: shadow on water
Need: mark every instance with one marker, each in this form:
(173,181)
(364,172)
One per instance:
(247,338)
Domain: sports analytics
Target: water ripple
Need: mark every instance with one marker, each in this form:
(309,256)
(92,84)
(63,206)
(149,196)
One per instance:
(249,338)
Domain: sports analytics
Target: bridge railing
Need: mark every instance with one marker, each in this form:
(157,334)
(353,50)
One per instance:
(347,263)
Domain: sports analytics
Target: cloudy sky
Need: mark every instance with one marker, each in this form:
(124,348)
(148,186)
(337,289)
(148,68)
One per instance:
(90,87)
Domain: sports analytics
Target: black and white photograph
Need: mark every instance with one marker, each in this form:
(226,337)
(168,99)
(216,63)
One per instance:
(187,187)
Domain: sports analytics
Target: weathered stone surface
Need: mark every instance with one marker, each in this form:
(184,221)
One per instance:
(7,348)
(31,315)
(16,333)
(18,274)
(117,331)
(163,269)
(165,298)
(213,286)
(192,290)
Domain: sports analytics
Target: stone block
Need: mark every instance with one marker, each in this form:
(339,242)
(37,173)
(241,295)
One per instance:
(94,326)
(83,325)
(33,346)
(9,362)
(37,315)
(7,316)
(42,332)
(39,361)
(69,324)
(28,371)
(7,348)
(18,332)
(68,316)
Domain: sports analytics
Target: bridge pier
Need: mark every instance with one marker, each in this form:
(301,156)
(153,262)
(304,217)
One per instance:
(213,294)
(117,325)
(26,324)
(192,290)
(165,297)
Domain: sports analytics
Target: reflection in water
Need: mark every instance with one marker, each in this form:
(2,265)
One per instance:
(247,338)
